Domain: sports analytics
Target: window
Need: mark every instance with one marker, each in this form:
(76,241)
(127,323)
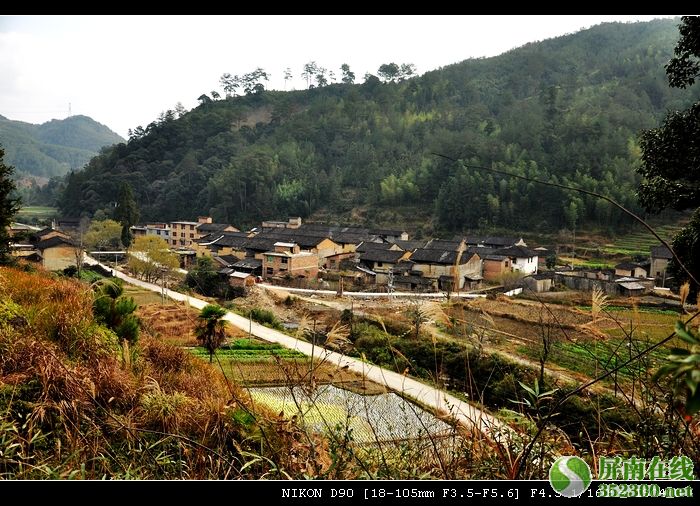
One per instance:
(191,235)
(191,227)
(379,264)
(284,260)
(270,271)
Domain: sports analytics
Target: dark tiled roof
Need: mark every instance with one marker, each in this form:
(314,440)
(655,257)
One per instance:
(433,256)
(472,240)
(53,242)
(248,264)
(410,245)
(496,258)
(369,245)
(661,251)
(441,244)
(379,255)
(385,231)
(230,259)
(208,228)
(232,241)
(517,252)
(260,244)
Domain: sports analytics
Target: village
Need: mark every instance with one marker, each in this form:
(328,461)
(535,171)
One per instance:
(350,258)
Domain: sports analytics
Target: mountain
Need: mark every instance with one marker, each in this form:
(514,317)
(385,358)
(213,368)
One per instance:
(567,109)
(55,147)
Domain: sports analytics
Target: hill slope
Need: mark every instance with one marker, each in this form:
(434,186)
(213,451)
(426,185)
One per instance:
(55,147)
(567,109)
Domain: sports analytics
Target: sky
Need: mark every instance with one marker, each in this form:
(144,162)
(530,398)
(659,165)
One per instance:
(123,71)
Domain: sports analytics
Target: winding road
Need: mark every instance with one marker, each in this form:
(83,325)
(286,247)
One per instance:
(436,399)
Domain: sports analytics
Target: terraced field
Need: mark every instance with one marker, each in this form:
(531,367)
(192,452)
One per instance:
(639,242)
(368,418)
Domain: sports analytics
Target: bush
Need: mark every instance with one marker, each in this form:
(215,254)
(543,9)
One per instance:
(266,318)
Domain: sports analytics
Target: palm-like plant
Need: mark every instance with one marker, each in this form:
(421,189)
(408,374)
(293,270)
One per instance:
(211,328)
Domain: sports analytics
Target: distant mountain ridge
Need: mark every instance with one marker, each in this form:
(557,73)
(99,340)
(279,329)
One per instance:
(53,148)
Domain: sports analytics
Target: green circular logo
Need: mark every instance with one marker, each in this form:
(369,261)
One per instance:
(570,476)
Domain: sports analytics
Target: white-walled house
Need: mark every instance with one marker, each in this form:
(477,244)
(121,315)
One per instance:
(522,259)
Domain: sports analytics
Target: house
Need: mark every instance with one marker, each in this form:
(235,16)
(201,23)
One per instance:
(410,245)
(288,259)
(46,233)
(415,284)
(381,262)
(389,234)
(16,229)
(503,242)
(660,257)
(242,279)
(250,265)
(522,259)
(495,266)
(631,288)
(183,233)
(57,253)
(630,270)
(226,243)
(138,231)
(161,230)
(539,282)
(448,266)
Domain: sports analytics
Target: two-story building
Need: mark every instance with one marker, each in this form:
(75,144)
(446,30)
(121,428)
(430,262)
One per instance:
(288,259)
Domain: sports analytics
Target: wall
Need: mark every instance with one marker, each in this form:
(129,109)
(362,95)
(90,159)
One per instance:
(58,258)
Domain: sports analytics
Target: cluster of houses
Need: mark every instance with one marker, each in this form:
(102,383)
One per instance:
(53,249)
(284,250)
(280,251)
(626,279)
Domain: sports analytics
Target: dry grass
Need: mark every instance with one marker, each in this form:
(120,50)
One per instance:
(70,395)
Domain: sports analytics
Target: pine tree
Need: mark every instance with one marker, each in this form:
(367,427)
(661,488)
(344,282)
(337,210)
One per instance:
(126,213)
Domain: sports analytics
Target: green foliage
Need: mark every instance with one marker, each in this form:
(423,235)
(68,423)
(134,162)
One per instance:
(211,328)
(126,212)
(683,367)
(266,317)
(103,235)
(55,147)
(204,278)
(150,258)
(115,311)
(9,205)
(671,152)
(565,109)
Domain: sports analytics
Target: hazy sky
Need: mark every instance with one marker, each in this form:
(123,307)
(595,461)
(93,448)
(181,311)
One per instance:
(124,70)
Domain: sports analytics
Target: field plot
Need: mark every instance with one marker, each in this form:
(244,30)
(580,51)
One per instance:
(370,418)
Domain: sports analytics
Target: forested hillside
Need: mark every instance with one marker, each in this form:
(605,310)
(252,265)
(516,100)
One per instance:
(55,147)
(567,109)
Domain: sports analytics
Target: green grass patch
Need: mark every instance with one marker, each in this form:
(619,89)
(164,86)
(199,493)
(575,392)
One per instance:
(595,358)
(250,349)
(37,212)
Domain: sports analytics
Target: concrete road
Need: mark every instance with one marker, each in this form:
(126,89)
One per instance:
(439,400)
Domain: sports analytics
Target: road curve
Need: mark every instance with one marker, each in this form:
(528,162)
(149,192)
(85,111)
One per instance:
(439,400)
